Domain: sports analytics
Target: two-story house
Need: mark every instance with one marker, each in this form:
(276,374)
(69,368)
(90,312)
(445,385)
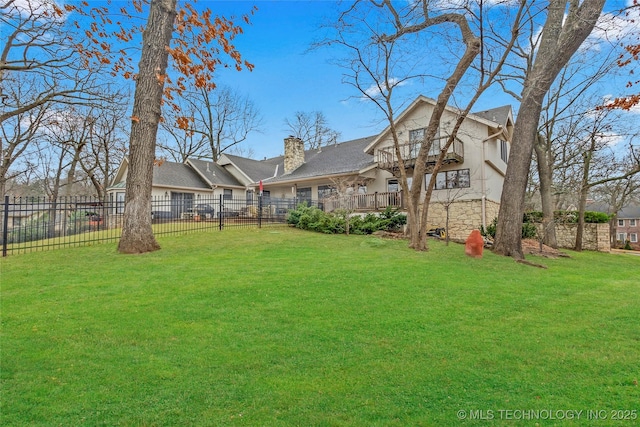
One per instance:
(361,175)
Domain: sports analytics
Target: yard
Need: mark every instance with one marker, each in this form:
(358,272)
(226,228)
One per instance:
(281,327)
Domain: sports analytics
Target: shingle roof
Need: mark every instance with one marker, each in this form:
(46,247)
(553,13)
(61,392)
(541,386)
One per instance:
(214,173)
(629,212)
(257,169)
(346,157)
(170,174)
(498,115)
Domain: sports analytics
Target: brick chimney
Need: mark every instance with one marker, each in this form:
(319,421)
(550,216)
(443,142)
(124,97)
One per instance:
(293,154)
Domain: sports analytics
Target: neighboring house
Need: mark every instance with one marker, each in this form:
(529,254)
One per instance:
(362,174)
(627,226)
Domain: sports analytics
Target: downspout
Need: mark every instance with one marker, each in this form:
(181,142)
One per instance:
(483,177)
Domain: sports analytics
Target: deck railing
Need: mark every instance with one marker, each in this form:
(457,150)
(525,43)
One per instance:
(388,160)
(363,202)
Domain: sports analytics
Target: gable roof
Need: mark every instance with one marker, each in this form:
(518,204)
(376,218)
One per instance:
(254,170)
(499,115)
(482,117)
(344,158)
(170,174)
(213,174)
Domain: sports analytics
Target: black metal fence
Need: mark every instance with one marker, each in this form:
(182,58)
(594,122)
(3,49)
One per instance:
(32,224)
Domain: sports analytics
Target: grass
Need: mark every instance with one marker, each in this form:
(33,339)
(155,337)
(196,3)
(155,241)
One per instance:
(282,327)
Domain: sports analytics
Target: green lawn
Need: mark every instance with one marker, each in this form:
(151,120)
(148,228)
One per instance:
(279,327)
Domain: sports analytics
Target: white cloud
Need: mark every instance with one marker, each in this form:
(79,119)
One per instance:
(394,82)
(40,9)
(616,27)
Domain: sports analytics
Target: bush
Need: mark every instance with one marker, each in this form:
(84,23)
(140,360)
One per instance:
(314,219)
(529,230)
(567,217)
(596,217)
(490,231)
(627,245)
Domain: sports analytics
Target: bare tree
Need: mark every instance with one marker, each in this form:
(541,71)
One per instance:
(384,59)
(218,121)
(38,46)
(312,128)
(567,25)
(19,132)
(446,199)
(180,144)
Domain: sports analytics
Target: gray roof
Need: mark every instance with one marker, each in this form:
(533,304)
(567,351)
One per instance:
(257,169)
(170,174)
(498,115)
(346,157)
(629,212)
(214,173)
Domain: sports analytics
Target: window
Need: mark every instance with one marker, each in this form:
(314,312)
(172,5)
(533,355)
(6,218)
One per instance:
(633,237)
(504,151)
(325,191)
(451,179)
(393,186)
(622,237)
(119,203)
(228,194)
(304,195)
(416,137)
(621,223)
(249,197)
(632,223)
(362,189)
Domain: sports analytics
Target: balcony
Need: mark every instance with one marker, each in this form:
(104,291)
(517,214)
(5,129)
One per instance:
(387,159)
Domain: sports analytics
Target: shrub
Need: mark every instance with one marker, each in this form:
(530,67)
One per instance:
(567,217)
(35,229)
(529,230)
(596,217)
(490,231)
(312,218)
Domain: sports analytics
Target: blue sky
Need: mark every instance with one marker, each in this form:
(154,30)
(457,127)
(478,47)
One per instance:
(288,78)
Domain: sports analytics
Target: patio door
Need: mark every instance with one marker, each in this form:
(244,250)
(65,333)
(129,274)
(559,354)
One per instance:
(181,203)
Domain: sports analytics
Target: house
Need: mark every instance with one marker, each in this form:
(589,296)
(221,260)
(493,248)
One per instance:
(361,175)
(627,226)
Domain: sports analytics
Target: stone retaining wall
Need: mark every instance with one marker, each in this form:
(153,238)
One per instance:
(595,237)
(466,215)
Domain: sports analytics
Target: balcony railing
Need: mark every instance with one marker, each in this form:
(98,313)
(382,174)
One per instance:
(388,160)
(363,202)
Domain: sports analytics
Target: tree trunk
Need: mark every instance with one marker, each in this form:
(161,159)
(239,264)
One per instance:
(545,174)
(584,190)
(137,234)
(562,35)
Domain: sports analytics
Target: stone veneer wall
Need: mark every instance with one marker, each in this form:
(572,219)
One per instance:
(595,237)
(464,216)
(293,154)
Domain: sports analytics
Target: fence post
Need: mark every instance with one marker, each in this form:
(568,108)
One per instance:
(259,210)
(5,226)
(375,200)
(221,213)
